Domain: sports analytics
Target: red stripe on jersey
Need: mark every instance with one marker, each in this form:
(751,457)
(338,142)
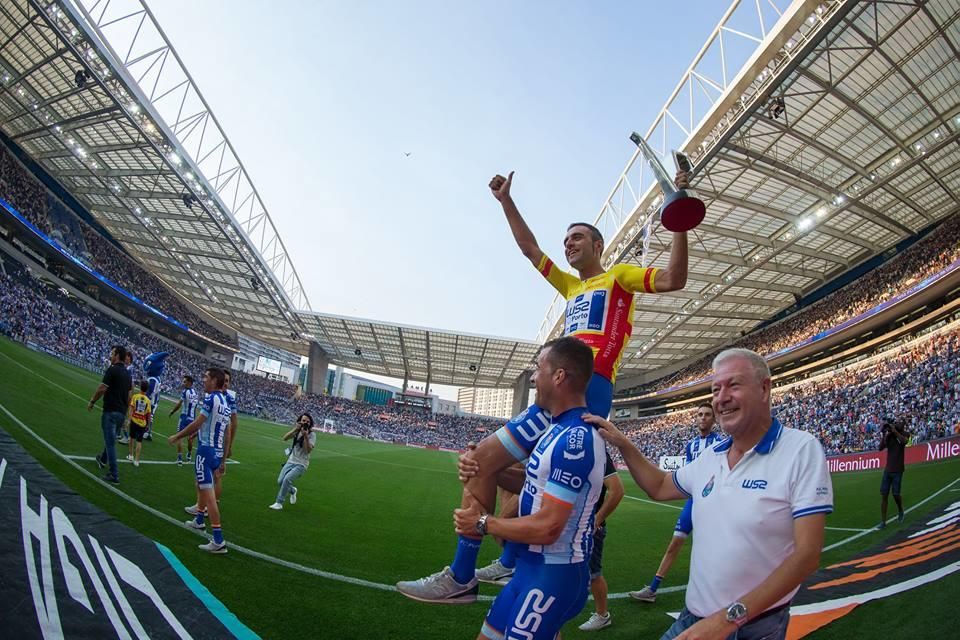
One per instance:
(547,266)
(647,281)
(618,331)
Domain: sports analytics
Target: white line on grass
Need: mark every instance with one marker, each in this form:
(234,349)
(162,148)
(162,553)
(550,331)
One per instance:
(654,502)
(167,518)
(125,461)
(891,519)
(845,529)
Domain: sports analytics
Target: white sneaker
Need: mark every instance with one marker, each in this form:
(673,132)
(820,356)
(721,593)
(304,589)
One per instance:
(596,622)
(136,463)
(129,457)
(644,595)
(276,506)
(193,524)
(192,509)
(494,573)
(213,547)
(293,496)
(440,588)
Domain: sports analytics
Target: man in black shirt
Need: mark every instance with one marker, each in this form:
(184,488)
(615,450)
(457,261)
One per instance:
(893,438)
(115,391)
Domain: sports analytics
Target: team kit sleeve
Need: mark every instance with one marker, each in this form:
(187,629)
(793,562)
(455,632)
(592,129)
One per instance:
(562,281)
(811,490)
(636,279)
(685,478)
(570,466)
(207,407)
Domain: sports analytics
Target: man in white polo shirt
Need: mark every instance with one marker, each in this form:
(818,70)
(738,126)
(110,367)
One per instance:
(763,494)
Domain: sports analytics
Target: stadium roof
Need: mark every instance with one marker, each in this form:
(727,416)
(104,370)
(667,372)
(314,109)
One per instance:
(864,154)
(418,353)
(94,92)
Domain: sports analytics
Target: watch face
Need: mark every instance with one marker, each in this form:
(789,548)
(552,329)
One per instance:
(736,611)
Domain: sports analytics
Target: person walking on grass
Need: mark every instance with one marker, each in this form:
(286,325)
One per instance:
(304,440)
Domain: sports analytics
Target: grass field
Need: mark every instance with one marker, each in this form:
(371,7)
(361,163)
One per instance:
(382,513)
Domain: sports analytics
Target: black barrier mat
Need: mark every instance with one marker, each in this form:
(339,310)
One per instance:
(68,569)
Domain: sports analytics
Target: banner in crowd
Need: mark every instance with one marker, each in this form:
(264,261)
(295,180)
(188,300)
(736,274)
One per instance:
(70,570)
(877,460)
(671,463)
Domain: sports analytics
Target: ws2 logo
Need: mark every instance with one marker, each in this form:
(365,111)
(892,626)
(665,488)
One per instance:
(754,484)
(531,615)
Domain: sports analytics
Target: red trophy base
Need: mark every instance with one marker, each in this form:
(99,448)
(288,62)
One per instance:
(682,211)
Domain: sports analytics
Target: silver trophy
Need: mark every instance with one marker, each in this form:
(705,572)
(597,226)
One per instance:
(682,210)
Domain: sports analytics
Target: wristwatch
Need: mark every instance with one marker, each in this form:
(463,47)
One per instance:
(482,524)
(737,614)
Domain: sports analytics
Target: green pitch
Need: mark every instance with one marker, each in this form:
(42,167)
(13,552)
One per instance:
(380,513)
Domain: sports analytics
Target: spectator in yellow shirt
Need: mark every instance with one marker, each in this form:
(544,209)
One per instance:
(138,414)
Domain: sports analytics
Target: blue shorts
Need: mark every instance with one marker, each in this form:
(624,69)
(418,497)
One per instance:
(205,463)
(521,434)
(891,480)
(184,423)
(685,521)
(538,600)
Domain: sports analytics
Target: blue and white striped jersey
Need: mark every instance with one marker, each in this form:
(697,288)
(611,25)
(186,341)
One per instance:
(216,410)
(698,445)
(566,466)
(188,404)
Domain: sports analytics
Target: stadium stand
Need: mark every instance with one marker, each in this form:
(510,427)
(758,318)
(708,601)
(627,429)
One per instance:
(932,254)
(29,196)
(917,381)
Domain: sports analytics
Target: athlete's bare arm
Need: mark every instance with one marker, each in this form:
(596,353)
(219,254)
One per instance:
(500,187)
(674,277)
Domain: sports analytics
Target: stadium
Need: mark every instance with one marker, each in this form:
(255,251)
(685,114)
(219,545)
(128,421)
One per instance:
(824,139)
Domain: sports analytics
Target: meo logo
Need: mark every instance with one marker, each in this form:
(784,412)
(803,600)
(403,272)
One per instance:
(531,615)
(567,478)
(754,484)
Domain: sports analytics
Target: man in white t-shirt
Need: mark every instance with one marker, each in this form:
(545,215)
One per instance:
(763,494)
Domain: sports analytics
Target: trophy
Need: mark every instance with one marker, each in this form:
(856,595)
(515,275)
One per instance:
(682,210)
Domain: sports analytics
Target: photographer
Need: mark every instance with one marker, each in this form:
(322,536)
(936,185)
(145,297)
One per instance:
(893,438)
(304,439)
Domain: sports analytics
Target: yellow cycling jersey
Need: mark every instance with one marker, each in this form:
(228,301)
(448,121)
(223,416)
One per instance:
(600,309)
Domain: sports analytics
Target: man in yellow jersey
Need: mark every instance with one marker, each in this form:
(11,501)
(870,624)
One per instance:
(138,414)
(600,313)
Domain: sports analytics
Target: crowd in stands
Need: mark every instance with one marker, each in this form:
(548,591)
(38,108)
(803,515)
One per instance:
(31,199)
(918,382)
(933,253)
(399,424)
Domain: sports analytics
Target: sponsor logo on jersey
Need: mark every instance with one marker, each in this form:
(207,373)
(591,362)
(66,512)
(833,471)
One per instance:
(565,477)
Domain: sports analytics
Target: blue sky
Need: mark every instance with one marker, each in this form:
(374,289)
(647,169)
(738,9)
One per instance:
(323,99)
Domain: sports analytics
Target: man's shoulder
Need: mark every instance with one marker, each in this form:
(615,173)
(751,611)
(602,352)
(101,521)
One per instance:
(796,437)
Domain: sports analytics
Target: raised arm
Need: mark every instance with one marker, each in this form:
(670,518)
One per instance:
(500,187)
(674,277)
